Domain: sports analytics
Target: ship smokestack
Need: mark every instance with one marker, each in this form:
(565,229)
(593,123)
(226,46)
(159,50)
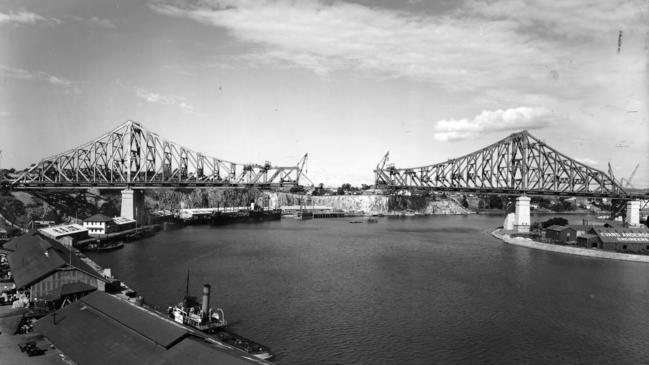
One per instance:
(206,298)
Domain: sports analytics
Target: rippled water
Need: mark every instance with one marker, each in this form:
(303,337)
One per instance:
(403,291)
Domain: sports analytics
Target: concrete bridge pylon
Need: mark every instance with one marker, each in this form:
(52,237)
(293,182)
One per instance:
(133,205)
(522,215)
(632,213)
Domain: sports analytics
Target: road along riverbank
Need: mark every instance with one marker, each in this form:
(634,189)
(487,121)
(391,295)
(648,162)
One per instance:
(580,251)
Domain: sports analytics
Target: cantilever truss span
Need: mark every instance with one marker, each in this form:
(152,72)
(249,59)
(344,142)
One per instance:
(518,164)
(131,156)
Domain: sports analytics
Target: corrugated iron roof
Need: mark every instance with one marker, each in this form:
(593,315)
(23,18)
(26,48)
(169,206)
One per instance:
(89,333)
(622,235)
(63,230)
(136,318)
(123,220)
(68,289)
(35,256)
(86,336)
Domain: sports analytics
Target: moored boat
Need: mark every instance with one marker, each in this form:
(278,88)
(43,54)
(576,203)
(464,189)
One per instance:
(102,246)
(201,316)
(257,350)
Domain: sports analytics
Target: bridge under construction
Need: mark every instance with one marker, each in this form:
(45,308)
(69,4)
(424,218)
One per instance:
(132,158)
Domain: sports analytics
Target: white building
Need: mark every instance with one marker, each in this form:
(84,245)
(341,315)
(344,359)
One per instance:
(99,224)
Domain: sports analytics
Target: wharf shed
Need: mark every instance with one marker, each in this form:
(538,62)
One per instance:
(49,269)
(560,234)
(74,231)
(622,239)
(103,329)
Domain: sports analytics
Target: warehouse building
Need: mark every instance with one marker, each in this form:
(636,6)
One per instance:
(49,270)
(103,329)
(634,240)
(560,234)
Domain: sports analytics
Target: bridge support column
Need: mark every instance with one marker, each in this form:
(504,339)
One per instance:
(133,205)
(522,216)
(632,213)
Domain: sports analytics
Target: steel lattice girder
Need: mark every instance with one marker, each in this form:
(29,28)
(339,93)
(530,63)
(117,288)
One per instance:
(517,164)
(132,156)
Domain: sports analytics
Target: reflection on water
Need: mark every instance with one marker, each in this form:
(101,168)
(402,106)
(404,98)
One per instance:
(417,291)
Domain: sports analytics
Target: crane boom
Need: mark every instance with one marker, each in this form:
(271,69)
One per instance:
(628,181)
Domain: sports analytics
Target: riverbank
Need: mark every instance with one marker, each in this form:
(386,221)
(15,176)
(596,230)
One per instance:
(589,252)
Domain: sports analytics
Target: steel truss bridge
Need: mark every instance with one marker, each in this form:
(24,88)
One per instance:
(518,164)
(130,156)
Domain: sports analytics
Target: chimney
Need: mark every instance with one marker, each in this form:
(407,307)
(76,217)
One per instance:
(206,298)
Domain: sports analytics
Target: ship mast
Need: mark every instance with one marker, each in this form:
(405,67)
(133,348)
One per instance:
(187,285)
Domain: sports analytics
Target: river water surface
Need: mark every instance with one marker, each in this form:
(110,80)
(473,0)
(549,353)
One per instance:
(430,290)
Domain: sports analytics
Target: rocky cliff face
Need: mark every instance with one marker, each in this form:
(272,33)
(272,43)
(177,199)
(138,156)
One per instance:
(368,204)
(372,204)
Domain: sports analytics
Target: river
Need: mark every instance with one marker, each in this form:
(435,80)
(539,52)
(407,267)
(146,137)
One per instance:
(428,290)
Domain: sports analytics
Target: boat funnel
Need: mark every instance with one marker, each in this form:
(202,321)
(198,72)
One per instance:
(206,298)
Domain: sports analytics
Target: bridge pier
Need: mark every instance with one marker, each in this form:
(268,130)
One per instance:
(522,215)
(632,213)
(133,205)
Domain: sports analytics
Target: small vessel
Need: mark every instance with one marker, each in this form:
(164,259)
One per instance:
(304,215)
(259,351)
(110,246)
(103,246)
(200,316)
(203,318)
(372,220)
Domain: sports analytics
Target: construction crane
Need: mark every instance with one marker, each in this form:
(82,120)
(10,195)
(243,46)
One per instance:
(628,181)
(622,182)
(383,161)
(301,168)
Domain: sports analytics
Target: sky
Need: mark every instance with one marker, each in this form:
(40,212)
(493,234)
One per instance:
(346,81)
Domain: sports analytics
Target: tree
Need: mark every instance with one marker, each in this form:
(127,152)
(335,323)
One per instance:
(556,221)
(495,202)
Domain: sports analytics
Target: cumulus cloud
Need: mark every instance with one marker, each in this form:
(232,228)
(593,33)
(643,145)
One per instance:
(19,73)
(477,45)
(25,17)
(103,23)
(586,161)
(491,121)
(341,36)
(173,100)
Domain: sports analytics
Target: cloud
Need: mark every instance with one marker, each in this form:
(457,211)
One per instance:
(491,121)
(475,46)
(586,161)
(103,23)
(342,36)
(25,17)
(173,100)
(19,73)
